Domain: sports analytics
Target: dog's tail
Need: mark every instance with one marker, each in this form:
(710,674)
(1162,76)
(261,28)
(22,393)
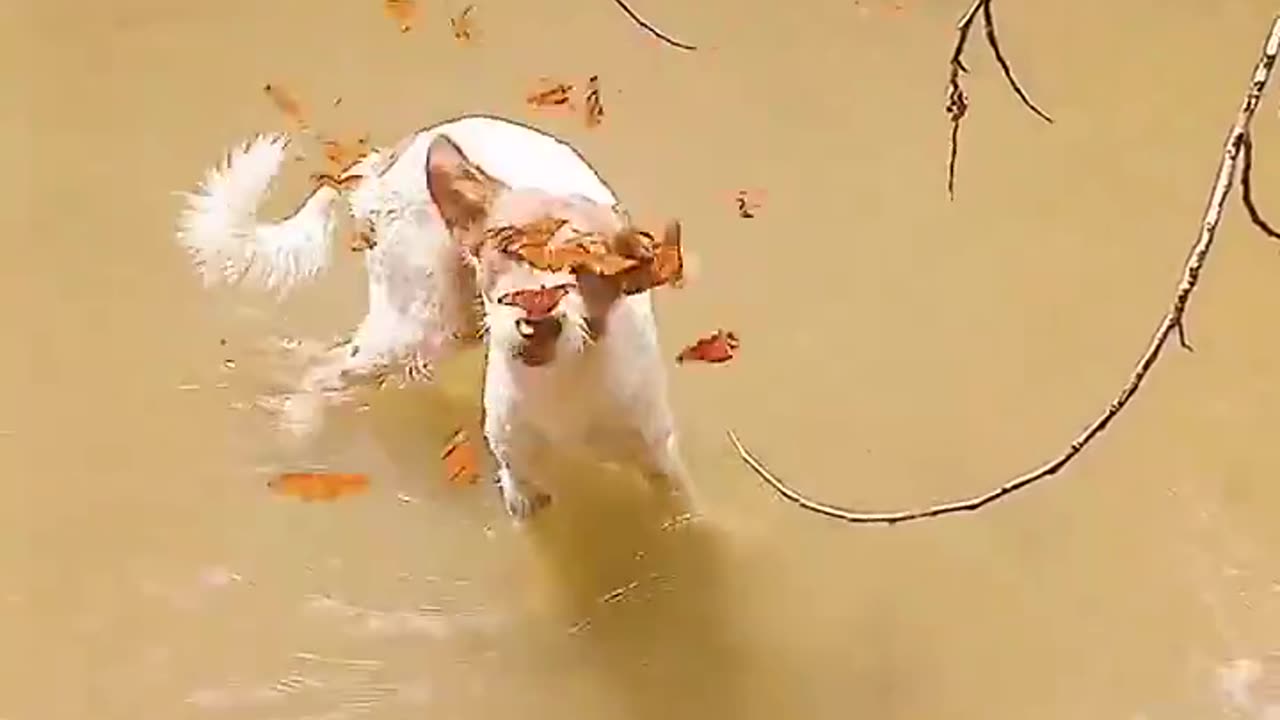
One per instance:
(219,224)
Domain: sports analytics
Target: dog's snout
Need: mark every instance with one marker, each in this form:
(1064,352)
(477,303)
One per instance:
(540,321)
(545,328)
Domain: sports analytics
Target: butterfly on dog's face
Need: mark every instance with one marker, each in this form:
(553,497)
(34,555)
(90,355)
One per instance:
(549,267)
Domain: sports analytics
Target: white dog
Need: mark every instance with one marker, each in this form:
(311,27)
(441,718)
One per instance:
(589,374)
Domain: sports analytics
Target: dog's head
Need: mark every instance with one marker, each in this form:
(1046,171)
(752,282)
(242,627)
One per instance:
(536,315)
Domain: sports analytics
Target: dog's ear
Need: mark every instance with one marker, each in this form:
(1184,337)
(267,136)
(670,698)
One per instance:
(458,187)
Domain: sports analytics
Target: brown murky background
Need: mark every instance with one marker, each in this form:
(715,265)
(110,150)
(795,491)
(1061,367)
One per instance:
(897,348)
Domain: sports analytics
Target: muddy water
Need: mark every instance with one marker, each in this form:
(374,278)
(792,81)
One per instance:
(897,348)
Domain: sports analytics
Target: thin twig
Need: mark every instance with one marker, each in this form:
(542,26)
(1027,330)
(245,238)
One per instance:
(652,30)
(1246,188)
(957,100)
(1181,329)
(1236,142)
(989,27)
(953,150)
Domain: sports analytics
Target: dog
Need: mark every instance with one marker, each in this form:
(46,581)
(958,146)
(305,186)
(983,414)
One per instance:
(583,371)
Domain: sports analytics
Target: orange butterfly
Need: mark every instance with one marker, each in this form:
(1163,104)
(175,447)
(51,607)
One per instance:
(583,253)
(309,486)
(748,202)
(336,182)
(361,240)
(460,459)
(532,243)
(288,104)
(342,154)
(536,302)
(594,106)
(720,346)
(513,238)
(463,25)
(402,11)
(668,263)
(633,252)
(550,94)
(664,266)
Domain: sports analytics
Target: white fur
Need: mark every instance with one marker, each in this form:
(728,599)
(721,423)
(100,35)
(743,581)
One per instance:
(220,227)
(610,397)
(609,401)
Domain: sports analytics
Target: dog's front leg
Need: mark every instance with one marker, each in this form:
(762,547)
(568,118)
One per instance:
(665,468)
(512,448)
(662,461)
(512,443)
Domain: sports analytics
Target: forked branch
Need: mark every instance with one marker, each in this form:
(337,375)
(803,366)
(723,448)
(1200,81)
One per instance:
(957,100)
(1237,144)
(1246,188)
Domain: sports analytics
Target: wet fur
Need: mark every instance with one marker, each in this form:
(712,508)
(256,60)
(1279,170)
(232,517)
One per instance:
(434,286)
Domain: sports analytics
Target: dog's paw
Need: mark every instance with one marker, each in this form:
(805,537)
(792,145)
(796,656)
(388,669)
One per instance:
(522,500)
(523,505)
(417,370)
(299,415)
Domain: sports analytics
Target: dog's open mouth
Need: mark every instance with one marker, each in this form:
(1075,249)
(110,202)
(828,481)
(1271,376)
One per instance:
(536,355)
(538,340)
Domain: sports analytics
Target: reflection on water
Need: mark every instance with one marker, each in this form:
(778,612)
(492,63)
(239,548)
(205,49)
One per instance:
(896,348)
(1252,687)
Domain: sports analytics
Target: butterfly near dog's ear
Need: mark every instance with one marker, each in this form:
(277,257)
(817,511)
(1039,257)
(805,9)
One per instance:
(668,261)
(532,243)
(664,264)
(587,253)
(515,238)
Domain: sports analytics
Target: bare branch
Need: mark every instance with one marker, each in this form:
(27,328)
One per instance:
(989,26)
(1237,141)
(652,30)
(957,100)
(1246,188)
(956,107)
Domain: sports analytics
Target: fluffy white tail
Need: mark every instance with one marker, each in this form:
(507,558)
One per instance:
(219,225)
